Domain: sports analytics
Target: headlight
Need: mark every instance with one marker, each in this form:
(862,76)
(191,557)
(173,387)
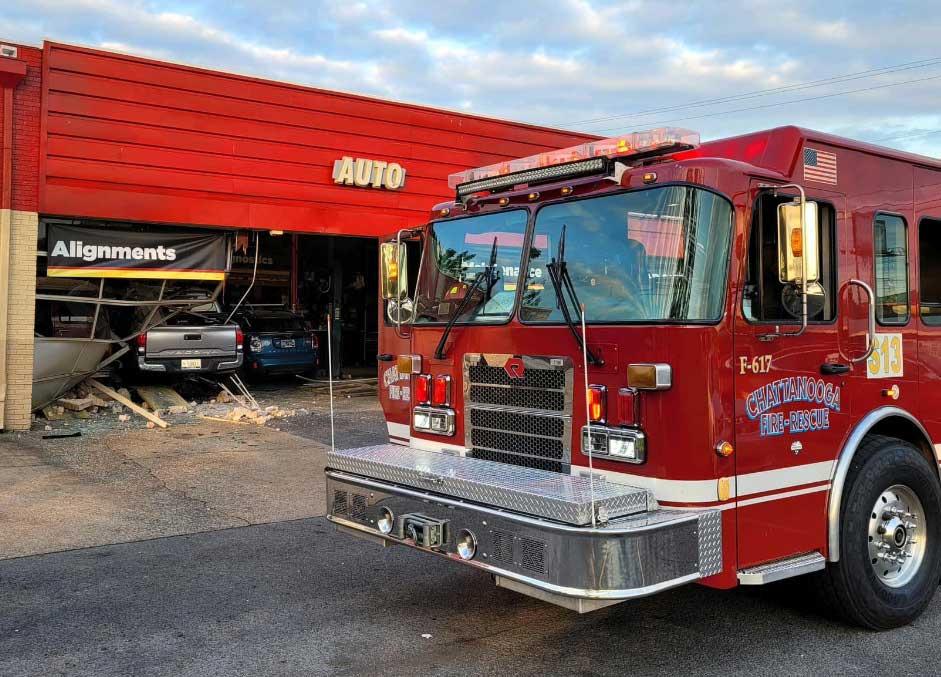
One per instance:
(466,544)
(255,343)
(438,421)
(621,446)
(616,444)
(386,521)
(422,420)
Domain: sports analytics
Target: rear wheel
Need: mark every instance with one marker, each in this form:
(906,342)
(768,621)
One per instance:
(890,526)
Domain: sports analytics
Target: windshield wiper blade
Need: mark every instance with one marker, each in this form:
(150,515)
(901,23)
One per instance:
(491,279)
(560,278)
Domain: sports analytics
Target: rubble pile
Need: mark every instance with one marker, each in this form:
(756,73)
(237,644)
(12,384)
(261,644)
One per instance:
(89,400)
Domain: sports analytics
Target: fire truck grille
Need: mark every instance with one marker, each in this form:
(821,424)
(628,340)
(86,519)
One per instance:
(522,420)
(550,400)
(539,378)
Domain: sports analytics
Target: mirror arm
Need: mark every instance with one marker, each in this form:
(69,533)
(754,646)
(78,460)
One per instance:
(803,202)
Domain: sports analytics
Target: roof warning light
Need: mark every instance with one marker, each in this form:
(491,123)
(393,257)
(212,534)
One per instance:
(585,158)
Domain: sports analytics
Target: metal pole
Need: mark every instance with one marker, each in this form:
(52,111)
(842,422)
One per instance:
(333,442)
(591,469)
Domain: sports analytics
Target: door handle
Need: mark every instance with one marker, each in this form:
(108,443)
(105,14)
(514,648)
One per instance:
(834,368)
(871,334)
(384,357)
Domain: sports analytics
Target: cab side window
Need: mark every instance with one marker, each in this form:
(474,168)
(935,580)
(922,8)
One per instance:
(765,297)
(890,247)
(929,261)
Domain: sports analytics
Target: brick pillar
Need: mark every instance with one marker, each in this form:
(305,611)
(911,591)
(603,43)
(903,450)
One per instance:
(21,313)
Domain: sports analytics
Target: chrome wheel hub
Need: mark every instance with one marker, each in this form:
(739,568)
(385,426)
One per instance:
(897,536)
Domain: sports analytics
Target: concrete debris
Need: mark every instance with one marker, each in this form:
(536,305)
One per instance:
(93,400)
(256,416)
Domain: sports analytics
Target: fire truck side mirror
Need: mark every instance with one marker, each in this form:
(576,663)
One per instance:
(394,268)
(796,240)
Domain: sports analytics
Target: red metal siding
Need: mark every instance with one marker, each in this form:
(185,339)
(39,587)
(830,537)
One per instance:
(128,138)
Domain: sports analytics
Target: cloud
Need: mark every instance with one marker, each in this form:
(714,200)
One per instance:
(556,62)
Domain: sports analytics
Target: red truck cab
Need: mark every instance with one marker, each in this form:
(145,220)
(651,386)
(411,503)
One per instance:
(645,361)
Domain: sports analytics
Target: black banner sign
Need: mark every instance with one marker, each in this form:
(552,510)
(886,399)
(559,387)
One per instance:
(87,251)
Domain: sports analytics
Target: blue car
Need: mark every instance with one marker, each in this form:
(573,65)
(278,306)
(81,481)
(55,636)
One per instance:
(277,342)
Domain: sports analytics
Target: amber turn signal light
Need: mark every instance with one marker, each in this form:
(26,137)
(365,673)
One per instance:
(649,376)
(597,396)
(725,449)
(408,364)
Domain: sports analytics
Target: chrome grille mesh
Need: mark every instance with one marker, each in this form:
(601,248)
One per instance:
(340,502)
(530,398)
(531,554)
(524,419)
(358,507)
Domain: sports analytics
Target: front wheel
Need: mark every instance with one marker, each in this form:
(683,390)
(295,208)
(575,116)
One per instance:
(890,533)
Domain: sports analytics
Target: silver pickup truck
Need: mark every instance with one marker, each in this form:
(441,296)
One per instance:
(195,341)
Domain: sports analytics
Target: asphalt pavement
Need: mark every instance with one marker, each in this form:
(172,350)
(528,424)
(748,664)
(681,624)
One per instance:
(296,598)
(201,551)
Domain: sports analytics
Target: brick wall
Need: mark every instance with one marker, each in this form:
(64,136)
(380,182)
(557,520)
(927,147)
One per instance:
(20,319)
(27,111)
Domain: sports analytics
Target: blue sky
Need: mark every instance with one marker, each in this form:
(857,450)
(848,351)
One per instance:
(592,66)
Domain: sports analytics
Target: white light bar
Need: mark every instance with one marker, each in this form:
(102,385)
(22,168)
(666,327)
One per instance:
(635,143)
(569,169)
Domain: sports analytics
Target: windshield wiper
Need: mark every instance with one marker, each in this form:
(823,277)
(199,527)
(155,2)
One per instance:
(475,285)
(560,278)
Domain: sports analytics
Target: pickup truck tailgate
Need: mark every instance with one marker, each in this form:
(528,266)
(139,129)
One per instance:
(206,341)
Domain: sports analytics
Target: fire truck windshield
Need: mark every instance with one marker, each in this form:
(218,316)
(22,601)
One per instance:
(655,255)
(460,250)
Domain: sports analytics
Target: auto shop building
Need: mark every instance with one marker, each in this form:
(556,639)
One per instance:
(96,138)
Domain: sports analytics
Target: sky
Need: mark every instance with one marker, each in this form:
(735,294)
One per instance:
(869,71)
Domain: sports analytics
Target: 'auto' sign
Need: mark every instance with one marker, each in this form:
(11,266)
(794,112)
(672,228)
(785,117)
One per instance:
(350,171)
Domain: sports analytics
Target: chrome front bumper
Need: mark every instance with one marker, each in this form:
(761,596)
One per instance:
(575,565)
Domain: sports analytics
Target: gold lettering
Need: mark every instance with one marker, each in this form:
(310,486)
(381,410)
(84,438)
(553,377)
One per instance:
(363,172)
(343,171)
(395,176)
(378,173)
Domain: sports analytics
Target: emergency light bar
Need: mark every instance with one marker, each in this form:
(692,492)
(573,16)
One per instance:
(587,158)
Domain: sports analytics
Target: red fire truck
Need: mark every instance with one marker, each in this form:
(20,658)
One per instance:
(620,367)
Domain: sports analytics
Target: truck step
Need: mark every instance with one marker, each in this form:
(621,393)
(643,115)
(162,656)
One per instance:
(782,568)
(541,493)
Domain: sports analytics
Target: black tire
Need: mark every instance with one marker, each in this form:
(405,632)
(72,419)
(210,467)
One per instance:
(850,587)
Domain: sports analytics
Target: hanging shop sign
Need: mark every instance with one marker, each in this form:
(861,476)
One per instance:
(96,251)
(350,171)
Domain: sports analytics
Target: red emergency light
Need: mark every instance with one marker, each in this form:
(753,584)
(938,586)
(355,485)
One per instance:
(582,159)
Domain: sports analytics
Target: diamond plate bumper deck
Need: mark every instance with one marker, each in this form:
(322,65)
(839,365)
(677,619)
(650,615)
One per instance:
(530,491)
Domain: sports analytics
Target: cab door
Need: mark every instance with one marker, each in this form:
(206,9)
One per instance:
(395,340)
(791,399)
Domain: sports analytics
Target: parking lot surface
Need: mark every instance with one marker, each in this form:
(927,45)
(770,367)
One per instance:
(295,598)
(202,550)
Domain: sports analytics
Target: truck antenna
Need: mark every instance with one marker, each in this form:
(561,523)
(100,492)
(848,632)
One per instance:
(333,441)
(591,468)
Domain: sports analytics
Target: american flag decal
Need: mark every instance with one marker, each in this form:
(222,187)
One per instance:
(819,166)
